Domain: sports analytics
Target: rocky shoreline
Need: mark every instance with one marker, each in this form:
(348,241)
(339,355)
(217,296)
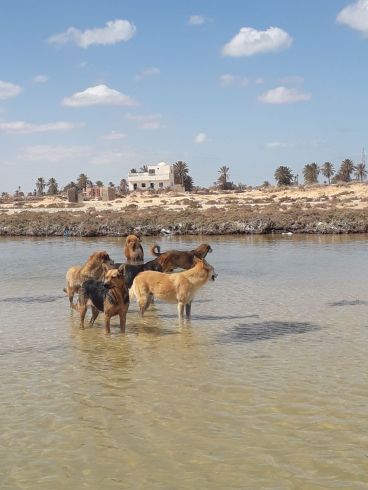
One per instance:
(155,222)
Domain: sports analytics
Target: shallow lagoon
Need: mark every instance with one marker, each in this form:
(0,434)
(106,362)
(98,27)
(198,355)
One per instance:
(266,387)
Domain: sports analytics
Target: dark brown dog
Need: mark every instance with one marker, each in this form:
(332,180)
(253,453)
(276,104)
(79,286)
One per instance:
(133,249)
(111,297)
(92,269)
(173,259)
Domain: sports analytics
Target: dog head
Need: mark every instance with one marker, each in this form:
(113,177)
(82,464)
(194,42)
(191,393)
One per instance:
(207,267)
(114,277)
(102,257)
(202,250)
(132,241)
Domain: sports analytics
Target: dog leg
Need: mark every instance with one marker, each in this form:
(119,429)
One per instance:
(95,314)
(107,324)
(82,312)
(180,310)
(188,309)
(122,316)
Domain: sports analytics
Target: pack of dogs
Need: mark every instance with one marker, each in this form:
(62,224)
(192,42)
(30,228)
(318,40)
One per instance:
(107,286)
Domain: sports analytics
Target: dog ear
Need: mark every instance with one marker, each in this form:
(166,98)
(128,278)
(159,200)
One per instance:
(121,270)
(105,267)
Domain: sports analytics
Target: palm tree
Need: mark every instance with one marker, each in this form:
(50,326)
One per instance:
(180,171)
(40,185)
(69,186)
(143,168)
(283,175)
(111,184)
(123,186)
(82,182)
(310,172)
(327,171)
(99,183)
(360,171)
(133,170)
(224,174)
(52,186)
(346,169)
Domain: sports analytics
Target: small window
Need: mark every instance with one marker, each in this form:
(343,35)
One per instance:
(152,185)
(151,171)
(143,185)
(135,186)
(161,184)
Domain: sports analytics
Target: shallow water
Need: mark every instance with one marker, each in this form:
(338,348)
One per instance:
(266,388)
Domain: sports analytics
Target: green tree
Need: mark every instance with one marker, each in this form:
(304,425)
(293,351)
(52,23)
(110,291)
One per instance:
(328,171)
(99,183)
(40,186)
(143,168)
(180,171)
(283,175)
(111,184)
(223,178)
(360,172)
(133,170)
(52,186)
(82,182)
(69,186)
(346,169)
(310,173)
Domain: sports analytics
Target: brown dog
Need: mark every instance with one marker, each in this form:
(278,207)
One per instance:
(111,297)
(92,269)
(173,259)
(179,287)
(133,249)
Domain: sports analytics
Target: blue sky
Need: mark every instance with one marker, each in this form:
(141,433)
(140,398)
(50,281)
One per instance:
(101,87)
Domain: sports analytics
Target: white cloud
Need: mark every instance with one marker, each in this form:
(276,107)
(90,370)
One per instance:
(114,32)
(278,144)
(196,20)
(201,138)
(148,72)
(259,81)
(114,135)
(40,79)
(355,16)
(54,154)
(249,41)
(284,95)
(228,80)
(147,121)
(98,95)
(108,158)
(8,90)
(22,127)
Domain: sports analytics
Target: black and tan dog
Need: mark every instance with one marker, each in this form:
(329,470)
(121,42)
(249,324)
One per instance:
(174,259)
(110,296)
(132,270)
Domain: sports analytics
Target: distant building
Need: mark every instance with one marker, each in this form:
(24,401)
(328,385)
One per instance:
(160,176)
(92,192)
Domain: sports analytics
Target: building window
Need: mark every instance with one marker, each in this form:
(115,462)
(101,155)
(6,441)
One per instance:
(143,184)
(151,171)
(135,186)
(152,185)
(161,184)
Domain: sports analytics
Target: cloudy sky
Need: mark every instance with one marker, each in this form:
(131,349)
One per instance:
(100,87)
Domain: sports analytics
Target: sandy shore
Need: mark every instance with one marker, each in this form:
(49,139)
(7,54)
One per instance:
(317,209)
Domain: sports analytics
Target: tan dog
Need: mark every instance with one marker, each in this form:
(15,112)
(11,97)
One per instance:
(111,297)
(173,259)
(179,287)
(92,269)
(133,249)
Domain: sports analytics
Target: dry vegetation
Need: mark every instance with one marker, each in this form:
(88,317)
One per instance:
(318,209)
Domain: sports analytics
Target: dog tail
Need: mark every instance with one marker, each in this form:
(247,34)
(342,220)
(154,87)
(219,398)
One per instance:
(155,250)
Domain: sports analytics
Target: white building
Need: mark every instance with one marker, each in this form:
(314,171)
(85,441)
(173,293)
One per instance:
(160,176)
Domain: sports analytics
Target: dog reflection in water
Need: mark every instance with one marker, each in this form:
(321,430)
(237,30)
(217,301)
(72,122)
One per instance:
(179,287)
(110,296)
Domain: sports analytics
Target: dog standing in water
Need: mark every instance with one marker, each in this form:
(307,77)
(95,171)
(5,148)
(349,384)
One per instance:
(133,250)
(174,259)
(179,287)
(110,296)
(92,269)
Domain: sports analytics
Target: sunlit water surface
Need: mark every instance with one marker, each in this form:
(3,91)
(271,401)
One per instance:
(266,388)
